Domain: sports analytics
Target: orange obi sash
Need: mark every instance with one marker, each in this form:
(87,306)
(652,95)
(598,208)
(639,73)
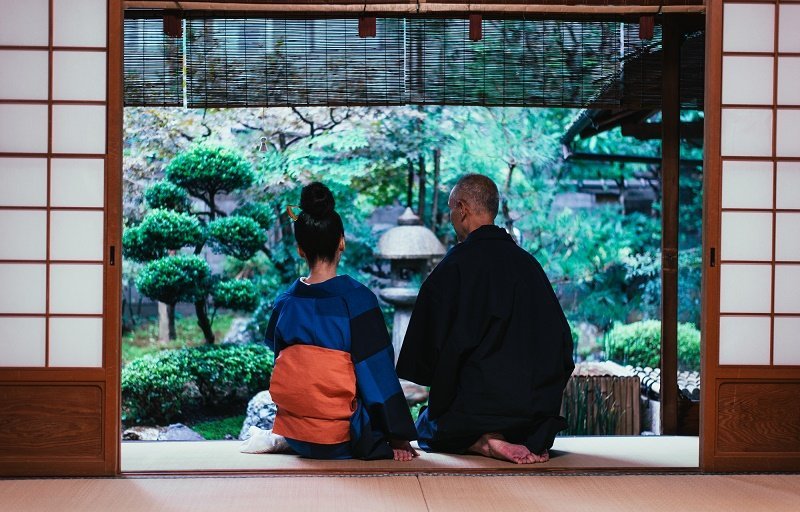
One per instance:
(315,391)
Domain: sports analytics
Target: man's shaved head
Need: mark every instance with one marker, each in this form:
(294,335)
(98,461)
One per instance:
(479,192)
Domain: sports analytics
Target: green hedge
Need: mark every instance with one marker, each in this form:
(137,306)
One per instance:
(639,344)
(160,387)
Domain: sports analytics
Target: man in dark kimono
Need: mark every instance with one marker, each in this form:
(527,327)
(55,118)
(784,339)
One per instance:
(490,339)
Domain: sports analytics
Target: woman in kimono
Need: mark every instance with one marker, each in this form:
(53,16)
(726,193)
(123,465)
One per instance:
(334,381)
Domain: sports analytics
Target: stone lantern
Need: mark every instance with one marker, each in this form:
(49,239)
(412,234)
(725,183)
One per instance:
(410,247)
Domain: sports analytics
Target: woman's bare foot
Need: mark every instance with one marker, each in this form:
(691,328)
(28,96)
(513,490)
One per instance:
(402,450)
(496,447)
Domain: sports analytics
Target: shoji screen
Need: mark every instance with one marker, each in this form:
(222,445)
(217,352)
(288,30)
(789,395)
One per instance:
(59,167)
(752,359)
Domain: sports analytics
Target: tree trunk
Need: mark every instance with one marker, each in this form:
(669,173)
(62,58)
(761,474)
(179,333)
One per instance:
(437,157)
(166,323)
(163,323)
(422,178)
(201,308)
(509,224)
(410,189)
(173,335)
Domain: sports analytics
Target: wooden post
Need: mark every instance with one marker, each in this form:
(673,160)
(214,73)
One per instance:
(670,170)
(437,158)
(423,176)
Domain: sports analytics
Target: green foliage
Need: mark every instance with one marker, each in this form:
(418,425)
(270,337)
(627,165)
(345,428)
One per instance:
(154,388)
(237,236)
(259,212)
(168,196)
(206,170)
(219,429)
(639,344)
(175,279)
(161,231)
(229,373)
(237,294)
(161,387)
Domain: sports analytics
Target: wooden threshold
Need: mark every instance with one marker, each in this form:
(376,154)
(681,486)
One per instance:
(570,455)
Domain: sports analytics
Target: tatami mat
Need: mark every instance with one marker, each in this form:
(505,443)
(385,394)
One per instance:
(569,453)
(529,493)
(651,493)
(401,494)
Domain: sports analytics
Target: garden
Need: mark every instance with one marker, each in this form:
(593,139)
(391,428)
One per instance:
(208,245)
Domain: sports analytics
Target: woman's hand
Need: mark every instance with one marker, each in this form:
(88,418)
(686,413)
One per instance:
(402,449)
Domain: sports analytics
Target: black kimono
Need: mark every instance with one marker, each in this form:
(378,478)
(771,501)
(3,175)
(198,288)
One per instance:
(490,339)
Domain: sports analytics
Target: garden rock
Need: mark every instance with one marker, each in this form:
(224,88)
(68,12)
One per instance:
(179,432)
(141,434)
(261,412)
(414,393)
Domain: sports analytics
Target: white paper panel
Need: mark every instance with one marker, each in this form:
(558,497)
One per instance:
(787,288)
(79,129)
(79,76)
(76,342)
(746,236)
(787,237)
(24,288)
(788,185)
(746,184)
(786,350)
(76,288)
(22,341)
(745,288)
(79,23)
(744,340)
(76,235)
(24,182)
(748,28)
(24,22)
(789,81)
(77,182)
(23,235)
(746,132)
(738,85)
(23,75)
(787,142)
(788,40)
(23,128)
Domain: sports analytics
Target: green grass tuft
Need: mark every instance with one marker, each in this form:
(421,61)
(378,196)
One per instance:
(217,429)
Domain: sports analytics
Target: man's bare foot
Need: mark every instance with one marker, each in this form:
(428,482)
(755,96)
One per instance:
(402,450)
(496,447)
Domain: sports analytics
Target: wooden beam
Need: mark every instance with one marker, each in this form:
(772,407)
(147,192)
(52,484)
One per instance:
(650,131)
(628,159)
(670,167)
(408,8)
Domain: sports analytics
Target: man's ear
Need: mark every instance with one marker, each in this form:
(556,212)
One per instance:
(341,244)
(301,252)
(463,209)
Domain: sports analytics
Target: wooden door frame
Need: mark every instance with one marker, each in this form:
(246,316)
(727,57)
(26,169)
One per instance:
(714,376)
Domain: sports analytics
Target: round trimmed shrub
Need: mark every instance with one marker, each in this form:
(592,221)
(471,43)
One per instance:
(235,294)
(168,196)
(237,236)
(206,170)
(259,212)
(161,387)
(229,373)
(159,232)
(181,278)
(639,344)
(154,388)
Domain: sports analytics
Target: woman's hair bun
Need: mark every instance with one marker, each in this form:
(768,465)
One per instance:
(317,200)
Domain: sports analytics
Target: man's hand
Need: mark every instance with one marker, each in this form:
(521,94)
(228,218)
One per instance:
(402,449)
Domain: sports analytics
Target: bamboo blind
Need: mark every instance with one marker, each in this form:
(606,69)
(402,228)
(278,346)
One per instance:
(231,62)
